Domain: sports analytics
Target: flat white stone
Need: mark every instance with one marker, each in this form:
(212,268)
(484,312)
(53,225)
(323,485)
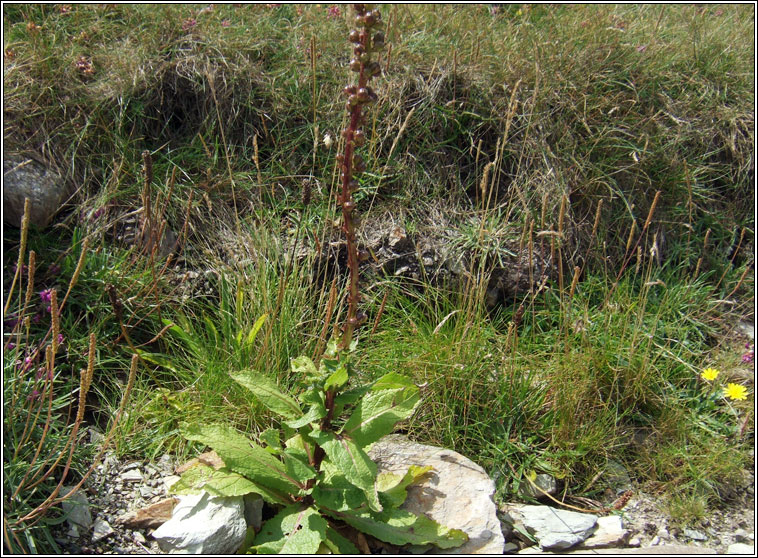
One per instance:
(201,524)
(555,529)
(741,548)
(609,532)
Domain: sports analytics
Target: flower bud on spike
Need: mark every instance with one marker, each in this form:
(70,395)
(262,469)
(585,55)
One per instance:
(350,90)
(355,36)
(363,255)
(361,317)
(348,206)
(359,138)
(353,100)
(355,65)
(362,95)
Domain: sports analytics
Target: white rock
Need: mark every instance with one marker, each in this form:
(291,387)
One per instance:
(139,537)
(76,509)
(201,524)
(555,529)
(457,494)
(741,548)
(635,542)
(101,530)
(609,532)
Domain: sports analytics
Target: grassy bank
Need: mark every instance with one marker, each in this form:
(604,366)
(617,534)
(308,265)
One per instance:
(614,142)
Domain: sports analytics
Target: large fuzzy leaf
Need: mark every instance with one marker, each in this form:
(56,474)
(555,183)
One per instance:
(294,530)
(400,527)
(378,412)
(243,456)
(296,464)
(268,393)
(352,462)
(221,482)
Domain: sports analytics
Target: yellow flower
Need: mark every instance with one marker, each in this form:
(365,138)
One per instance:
(710,374)
(735,391)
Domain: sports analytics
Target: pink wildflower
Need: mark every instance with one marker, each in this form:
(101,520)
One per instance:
(46,295)
(225,23)
(189,23)
(333,12)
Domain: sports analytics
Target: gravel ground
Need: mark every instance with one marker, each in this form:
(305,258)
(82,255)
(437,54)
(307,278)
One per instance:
(120,486)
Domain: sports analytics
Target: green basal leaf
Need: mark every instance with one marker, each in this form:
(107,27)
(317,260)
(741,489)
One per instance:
(378,412)
(243,456)
(392,487)
(392,380)
(352,462)
(337,379)
(316,411)
(220,482)
(296,464)
(268,393)
(270,437)
(294,530)
(335,492)
(400,527)
(337,543)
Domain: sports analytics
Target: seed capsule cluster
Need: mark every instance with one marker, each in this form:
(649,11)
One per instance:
(367,40)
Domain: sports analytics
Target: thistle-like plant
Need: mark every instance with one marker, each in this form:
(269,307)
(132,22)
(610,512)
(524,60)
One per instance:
(315,467)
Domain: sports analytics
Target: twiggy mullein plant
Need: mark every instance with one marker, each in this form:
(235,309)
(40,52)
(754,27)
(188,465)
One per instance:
(314,468)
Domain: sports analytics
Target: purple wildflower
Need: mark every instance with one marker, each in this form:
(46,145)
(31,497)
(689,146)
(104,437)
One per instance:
(333,12)
(34,395)
(60,338)
(189,23)
(225,23)
(37,317)
(54,269)
(11,346)
(46,295)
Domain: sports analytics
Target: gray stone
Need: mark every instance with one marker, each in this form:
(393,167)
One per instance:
(665,550)
(544,484)
(554,529)
(101,530)
(510,548)
(139,537)
(202,524)
(253,511)
(748,329)
(26,178)
(741,548)
(694,535)
(617,477)
(742,536)
(457,494)
(609,531)
(76,508)
(132,475)
(146,492)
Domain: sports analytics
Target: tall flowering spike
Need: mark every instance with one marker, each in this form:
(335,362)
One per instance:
(365,42)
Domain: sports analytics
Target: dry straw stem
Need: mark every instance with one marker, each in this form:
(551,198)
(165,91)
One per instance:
(36,514)
(21,253)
